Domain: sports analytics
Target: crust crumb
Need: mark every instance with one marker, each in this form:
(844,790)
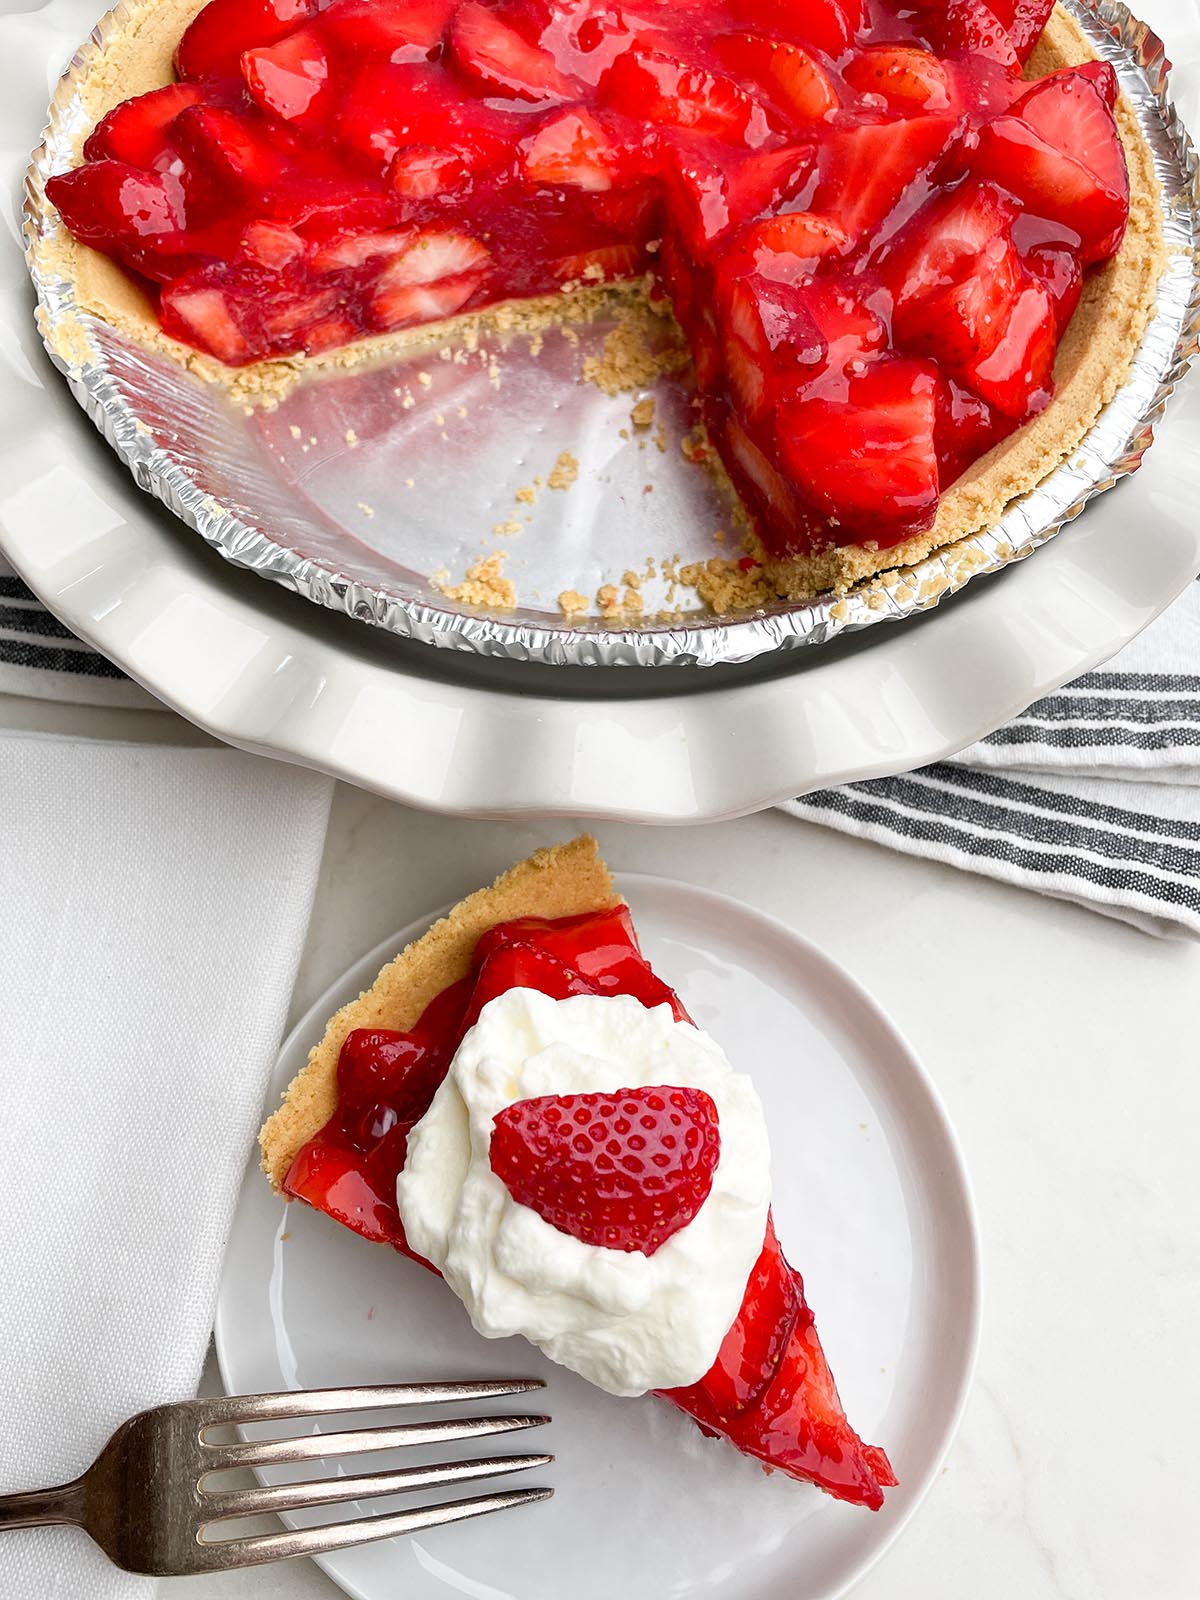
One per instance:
(572,604)
(565,471)
(484,584)
(642,414)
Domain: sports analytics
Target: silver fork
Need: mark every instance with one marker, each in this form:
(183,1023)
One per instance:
(145,1500)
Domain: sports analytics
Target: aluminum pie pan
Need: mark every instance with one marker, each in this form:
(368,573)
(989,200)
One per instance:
(242,479)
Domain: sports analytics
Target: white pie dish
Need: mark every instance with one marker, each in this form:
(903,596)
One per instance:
(445,730)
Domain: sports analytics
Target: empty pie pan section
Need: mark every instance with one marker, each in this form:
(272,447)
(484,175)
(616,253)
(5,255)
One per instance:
(365,490)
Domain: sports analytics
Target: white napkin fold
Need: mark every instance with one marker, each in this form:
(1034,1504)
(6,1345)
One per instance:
(1092,795)
(153,906)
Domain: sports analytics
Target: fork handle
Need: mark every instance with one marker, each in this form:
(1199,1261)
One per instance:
(40,1508)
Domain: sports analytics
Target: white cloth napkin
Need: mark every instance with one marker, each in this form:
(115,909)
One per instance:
(153,906)
(1092,795)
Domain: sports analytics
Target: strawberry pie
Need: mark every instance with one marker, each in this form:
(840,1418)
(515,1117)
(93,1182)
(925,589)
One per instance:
(521,1104)
(911,245)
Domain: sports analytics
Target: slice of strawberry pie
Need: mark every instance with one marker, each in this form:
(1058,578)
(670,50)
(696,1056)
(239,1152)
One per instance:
(905,272)
(520,1103)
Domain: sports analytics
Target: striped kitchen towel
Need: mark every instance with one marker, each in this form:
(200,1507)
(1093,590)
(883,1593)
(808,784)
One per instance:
(1092,795)
(41,658)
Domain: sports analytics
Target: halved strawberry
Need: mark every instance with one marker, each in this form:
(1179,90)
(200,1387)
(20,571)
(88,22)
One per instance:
(400,30)
(330,1177)
(136,130)
(413,304)
(271,244)
(110,204)
(605,264)
(868,462)
(622,1171)
(213,43)
(497,59)
(785,246)
(651,86)
(973,28)
(203,316)
(419,172)
(1025,21)
(433,255)
(796,82)
(866,167)
(908,78)
(571,148)
(287,78)
(1059,152)
(1103,75)
(1058,268)
(353,249)
(227,149)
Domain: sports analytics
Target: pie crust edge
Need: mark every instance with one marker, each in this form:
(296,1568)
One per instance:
(565,880)
(130,53)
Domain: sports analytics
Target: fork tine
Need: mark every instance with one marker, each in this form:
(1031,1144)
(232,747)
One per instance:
(315,1446)
(243,1408)
(251,1551)
(329,1491)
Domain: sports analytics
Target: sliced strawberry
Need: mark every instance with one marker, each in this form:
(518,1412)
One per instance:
(204,316)
(944,240)
(272,244)
(651,86)
(109,204)
(495,58)
(796,82)
(415,304)
(868,461)
(852,332)
(399,30)
(762,486)
(287,78)
(353,249)
(420,172)
(1059,152)
(605,264)
(747,378)
(785,246)
(706,195)
(622,1171)
(1059,270)
(911,80)
(289,313)
(867,167)
(571,148)
(774,319)
(136,130)
(213,43)
(971,27)
(389,107)
(431,255)
(1025,21)
(1103,75)
(330,1177)
(1016,374)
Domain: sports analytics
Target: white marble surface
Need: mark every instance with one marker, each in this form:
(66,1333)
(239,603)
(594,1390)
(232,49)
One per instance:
(1067,1049)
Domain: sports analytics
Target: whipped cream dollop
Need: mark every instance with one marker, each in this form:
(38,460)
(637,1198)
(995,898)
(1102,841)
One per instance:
(625,1321)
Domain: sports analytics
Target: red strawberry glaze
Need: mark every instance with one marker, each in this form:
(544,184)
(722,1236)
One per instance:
(770,1391)
(871,172)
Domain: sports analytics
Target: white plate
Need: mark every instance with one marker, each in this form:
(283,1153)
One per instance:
(872,1204)
(268,672)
